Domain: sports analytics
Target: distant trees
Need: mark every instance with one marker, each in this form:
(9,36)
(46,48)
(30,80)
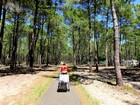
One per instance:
(78,32)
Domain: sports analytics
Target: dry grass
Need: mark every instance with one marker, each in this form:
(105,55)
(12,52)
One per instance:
(130,89)
(85,98)
(34,95)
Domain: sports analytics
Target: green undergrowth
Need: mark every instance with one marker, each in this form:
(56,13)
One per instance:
(37,93)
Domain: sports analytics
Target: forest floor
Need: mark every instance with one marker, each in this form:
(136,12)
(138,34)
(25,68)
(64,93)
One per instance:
(101,85)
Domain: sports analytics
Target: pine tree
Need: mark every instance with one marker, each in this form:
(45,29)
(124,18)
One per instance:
(119,81)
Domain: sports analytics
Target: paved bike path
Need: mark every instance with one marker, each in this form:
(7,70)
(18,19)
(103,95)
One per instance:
(52,97)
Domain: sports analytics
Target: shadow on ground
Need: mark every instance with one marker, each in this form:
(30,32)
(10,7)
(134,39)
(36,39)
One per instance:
(5,71)
(106,75)
(51,76)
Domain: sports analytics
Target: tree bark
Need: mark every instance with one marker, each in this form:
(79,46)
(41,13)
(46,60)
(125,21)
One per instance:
(120,40)
(79,45)
(89,40)
(14,46)
(107,39)
(41,46)
(48,46)
(135,53)
(57,56)
(33,36)
(74,49)
(95,39)
(119,81)
(2,30)
(1,3)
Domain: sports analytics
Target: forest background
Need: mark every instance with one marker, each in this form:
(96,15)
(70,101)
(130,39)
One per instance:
(73,31)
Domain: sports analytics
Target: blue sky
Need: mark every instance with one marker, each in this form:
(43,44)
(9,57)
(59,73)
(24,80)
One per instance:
(137,2)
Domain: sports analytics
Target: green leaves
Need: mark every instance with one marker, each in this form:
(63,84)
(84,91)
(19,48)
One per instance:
(61,20)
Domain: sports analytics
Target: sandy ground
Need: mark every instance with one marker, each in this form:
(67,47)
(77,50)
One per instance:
(109,95)
(13,87)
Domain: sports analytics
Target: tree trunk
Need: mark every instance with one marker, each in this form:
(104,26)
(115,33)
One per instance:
(79,47)
(33,36)
(41,46)
(2,30)
(89,40)
(135,53)
(74,48)
(126,49)
(48,52)
(120,41)
(57,56)
(107,39)
(48,46)
(40,54)
(95,39)
(119,81)
(14,46)
(19,57)
(4,56)
(111,55)
(10,46)
(1,3)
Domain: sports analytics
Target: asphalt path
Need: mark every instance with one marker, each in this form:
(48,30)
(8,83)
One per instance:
(52,97)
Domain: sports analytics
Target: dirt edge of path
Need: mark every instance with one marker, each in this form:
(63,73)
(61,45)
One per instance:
(26,90)
(85,97)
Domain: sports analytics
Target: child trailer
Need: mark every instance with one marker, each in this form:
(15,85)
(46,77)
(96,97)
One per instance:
(63,85)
